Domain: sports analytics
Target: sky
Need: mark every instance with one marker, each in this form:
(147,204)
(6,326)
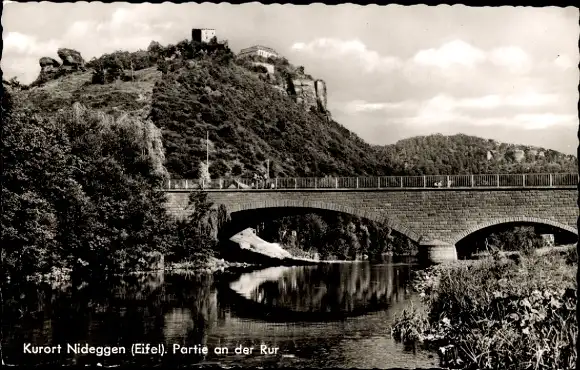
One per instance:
(392,72)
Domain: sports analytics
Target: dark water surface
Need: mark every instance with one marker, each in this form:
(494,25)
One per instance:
(336,315)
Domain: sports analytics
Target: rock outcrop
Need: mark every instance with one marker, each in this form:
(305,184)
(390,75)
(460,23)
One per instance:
(50,68)
(301,87)
(309,93)
(515,155)
(320,90)
(71,59)
(48,65)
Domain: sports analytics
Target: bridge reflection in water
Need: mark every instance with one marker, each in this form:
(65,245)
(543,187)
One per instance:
(323,292)
(332,312)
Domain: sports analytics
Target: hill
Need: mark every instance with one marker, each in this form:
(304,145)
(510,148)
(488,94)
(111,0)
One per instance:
(132,97)
(463,154)
(259,113)
(249,122)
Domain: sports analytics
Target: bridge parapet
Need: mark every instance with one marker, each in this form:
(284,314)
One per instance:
(484,181)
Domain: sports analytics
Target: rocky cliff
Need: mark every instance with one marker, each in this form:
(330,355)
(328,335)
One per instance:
(311,94)
(305,90)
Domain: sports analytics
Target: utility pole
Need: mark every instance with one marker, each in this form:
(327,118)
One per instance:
(267,168)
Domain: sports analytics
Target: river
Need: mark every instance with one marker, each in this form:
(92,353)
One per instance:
(335,315)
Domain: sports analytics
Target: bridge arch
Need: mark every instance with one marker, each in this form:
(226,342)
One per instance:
(370,215)
(512,219)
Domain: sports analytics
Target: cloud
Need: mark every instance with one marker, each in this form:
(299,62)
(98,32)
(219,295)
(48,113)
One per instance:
(16,42)
(527,99)
(458,53)
(21,53)
(564,62)
(448,110)
(450,54)
(545,120)
(443,102)
(430,116)
(330,48)
(512,58)
(358,106)
(454,62)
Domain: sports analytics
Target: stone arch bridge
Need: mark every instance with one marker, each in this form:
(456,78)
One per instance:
(436,215)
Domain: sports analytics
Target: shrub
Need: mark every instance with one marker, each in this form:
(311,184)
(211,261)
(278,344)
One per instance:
(499,315)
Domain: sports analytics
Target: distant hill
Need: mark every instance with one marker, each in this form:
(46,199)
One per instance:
(463,154)
(257,112)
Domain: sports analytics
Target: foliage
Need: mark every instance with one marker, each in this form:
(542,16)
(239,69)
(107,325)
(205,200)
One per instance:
(504,315)
(204,176)
(336,236)
(118,61)
(410,326)
(197,235)
(34,160)
(522,239)
(249,121)
(80,192)
(13,83)
(464,154)
(572,256)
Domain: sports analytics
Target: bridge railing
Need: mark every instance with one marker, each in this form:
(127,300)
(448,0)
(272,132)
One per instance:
(428,181)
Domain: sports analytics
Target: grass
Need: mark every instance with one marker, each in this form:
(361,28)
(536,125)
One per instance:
(117,96)
(499,313)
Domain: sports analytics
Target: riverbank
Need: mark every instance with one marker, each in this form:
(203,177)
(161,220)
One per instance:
(498,313)
(59,278)
(211,266)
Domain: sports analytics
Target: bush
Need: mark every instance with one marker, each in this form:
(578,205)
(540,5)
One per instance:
(499,315)
(572,256)
(522,239)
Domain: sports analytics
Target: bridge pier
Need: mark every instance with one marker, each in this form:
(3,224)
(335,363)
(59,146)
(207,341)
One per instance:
(437,251)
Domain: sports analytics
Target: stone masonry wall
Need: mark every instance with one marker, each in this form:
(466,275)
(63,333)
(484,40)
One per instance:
(447,215)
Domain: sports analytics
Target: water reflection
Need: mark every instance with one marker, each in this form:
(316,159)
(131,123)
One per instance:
(225,312)
(331,291)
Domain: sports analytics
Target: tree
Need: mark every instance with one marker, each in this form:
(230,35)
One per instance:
(198,233)
(13,82)
(35,183)
(236,170)
(99,76)
(163,66)
(154,48)
(204,177)
(219,169)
